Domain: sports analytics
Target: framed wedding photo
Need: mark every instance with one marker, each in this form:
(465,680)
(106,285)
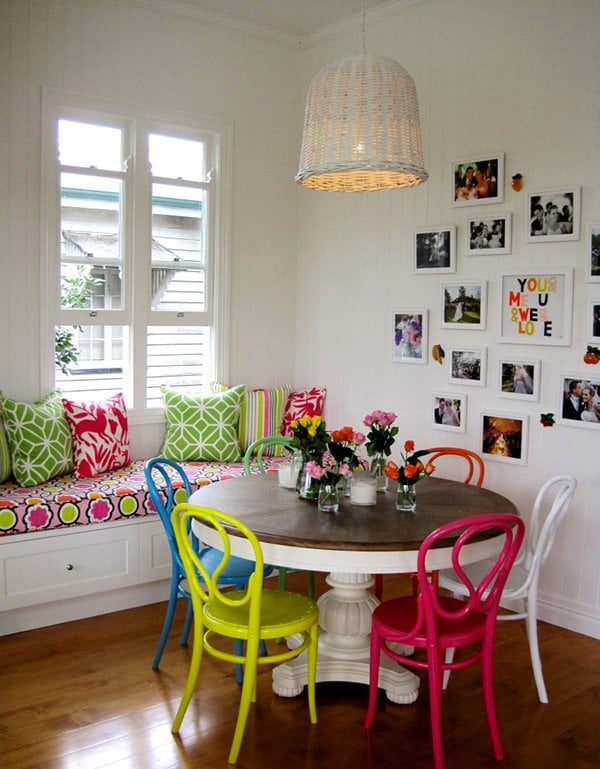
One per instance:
(449,412)
(435,250)
(504,437)
(519,379)
(409,335)
(594,320)
(487,236)
(579,400)
(464,305)
(554,215)
(536,308)
(468,365)
(592,253)
(478,180)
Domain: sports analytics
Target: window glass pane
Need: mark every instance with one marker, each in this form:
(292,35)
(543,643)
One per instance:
(179,358)
(89,360)
(90,146)
(178,249)
(90,242)
(176,158)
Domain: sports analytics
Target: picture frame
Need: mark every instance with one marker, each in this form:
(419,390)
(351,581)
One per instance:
(409,335)
(449,412)
(435,249)
(594,320)
(519,378)
(584,409)
(468,365)
(536,307)
(464,305)
(478,180)
(504,437)
(554,215)
(488,235)
(592,253)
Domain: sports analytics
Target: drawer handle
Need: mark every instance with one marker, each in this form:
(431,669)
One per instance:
(69,567)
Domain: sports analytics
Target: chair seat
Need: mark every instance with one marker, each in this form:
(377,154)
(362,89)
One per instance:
(399,616)
(281,613)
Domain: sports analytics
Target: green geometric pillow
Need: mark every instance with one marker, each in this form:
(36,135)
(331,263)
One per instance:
(202,428)
(4,452)
(39,439)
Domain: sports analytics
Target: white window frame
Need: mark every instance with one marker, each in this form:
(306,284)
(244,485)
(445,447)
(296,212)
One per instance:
(137,314)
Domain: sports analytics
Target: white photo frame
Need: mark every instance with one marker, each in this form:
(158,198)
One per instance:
(519,378)
(435,250)
(449,412)
(468,365)
(488,235)
(580,413)
(409,336)
(594,320)
(504,437)
(536,307)
(464,305)
(554,215)
(477,180)
(592,253)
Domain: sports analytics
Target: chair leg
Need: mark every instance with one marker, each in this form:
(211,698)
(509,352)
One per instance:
(448,658)
(534,649)
(379,586)
(192,678)
(435,707)
(487,680)
(374,658)
(187,624)
(312,673)
(166,628)
(247,696)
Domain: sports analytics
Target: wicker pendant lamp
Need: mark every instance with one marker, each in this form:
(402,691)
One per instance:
(361,127)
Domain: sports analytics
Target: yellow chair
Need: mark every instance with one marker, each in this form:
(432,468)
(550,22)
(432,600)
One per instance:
(252,615)
(256,451)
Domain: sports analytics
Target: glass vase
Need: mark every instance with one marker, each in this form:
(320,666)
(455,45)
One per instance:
(406,499)
(329,498)
(378,471)
(307,486)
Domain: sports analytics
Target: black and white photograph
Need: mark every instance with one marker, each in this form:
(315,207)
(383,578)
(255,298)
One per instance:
(464,305)
(488,236)
(519,378)
(449,412)
(579,404)
(435,250)
(468,365)
(554,215)
(592,253)
(478,180)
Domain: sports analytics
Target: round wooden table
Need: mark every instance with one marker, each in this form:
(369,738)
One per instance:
(351,545)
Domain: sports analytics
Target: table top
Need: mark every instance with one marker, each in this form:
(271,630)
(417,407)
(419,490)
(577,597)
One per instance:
(293,532)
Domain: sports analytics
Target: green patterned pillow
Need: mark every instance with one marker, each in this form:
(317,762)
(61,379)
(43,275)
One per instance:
(202,428)
(39,439)
(4,452)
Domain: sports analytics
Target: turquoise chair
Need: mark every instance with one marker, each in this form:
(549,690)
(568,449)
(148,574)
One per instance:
(252,615)
(167,485)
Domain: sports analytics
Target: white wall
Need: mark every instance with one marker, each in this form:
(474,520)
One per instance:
(316,277)
(514,77)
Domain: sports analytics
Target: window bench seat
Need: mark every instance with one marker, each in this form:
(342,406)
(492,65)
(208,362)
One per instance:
(73,548)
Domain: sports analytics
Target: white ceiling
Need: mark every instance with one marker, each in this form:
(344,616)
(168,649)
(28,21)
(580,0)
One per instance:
(295,18)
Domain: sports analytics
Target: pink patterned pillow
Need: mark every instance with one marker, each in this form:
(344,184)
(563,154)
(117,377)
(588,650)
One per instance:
(100,435)
(308,403)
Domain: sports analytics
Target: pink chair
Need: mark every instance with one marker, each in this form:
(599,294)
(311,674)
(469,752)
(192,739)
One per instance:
(435,623)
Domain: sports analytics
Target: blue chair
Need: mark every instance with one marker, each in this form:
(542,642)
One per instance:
(168,485)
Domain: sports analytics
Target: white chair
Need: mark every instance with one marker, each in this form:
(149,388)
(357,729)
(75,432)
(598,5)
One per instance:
(554,497)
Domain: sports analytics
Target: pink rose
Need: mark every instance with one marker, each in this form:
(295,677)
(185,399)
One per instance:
(358,439)
(315,470)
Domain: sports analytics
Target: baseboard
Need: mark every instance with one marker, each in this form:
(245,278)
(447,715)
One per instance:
(579,618)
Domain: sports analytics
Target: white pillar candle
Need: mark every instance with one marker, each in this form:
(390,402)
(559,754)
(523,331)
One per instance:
(363,491)
(287,475)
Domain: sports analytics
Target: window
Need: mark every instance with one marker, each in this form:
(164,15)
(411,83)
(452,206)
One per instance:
(132,250)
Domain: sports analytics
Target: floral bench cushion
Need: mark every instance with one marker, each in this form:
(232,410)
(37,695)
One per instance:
(120,494)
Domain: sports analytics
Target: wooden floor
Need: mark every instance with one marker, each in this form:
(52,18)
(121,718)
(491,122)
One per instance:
(82,695)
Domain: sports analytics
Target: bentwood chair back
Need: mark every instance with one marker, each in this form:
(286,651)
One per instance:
(256,451)
(168,485)
(433,623)
(550,507)
(253,615)
(474,474)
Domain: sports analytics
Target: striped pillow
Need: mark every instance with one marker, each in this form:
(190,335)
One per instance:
(261,414)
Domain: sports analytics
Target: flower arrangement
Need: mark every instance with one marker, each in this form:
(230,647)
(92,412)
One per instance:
(339,459)
(309,436)
(412,469)
(382,433)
